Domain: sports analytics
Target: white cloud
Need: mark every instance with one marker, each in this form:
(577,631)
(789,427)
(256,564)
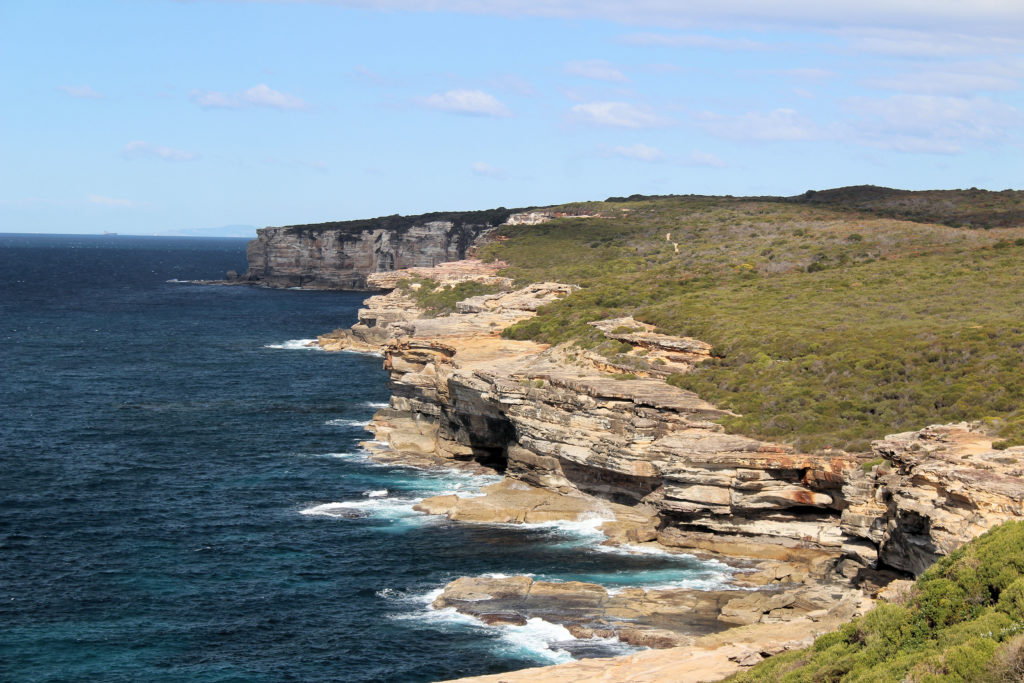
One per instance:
(944,83)
(486,170)
(619,114)
(955,78)
(597,69)
(471,102)
(100,200)
(80,91)
(931,123)
(691,40)
(968,17)
(776,125)
(139,148)
(257,96)
(263,96)
(211,100)
(913,43)
(696,158)
(640,152)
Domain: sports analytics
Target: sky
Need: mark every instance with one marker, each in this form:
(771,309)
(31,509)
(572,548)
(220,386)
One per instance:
(217,117)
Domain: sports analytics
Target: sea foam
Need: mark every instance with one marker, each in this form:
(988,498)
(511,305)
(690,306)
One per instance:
(295,345)
(344,422)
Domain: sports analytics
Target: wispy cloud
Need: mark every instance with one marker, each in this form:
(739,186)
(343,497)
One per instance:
(469,102)
(692,40)
(138,149)
(977,16)
(487,171)
(257,96)
(696,158)
(80,91)
(640,152)
(931,123)
(618,114)
(776,125)
(264,96)
(909,43)
(597,69)
(101,200)
(956,78)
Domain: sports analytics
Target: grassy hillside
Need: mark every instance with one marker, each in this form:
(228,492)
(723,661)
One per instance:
(832,324)
(962,622)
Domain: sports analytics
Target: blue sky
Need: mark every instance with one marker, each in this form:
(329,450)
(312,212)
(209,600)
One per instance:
(171,117)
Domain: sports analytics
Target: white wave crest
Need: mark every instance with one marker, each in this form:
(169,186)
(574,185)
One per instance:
(379,508)
(586,531)
(343,422)
(295,345)
(539,638)
(375,354)
(376,404)
(378,493)
(328,510)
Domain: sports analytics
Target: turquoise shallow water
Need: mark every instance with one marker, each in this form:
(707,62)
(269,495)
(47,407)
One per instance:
(179,479)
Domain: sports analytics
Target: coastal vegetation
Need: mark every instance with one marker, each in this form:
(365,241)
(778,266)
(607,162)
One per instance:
(439,299)
(400,224)
(835,317)
(962,621)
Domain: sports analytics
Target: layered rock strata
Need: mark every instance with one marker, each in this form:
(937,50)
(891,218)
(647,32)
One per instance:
(342,255)
(554,421)
(658,618)
(651,354)
(395,315)
(930,491)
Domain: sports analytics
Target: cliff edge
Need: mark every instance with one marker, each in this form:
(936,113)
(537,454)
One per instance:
(340,255)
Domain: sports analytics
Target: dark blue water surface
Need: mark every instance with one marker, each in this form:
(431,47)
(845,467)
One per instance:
(183,497)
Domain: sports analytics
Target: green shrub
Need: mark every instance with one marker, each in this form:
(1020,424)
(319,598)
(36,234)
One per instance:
(959,625)
(437,299)
(915,323)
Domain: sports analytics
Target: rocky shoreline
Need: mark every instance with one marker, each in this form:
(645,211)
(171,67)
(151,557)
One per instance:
(819,536)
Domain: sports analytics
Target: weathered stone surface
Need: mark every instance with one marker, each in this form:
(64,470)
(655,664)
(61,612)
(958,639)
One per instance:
(572,440)
(342,255)
(652,618)
(512,502)
(939,488)
(449,273)
(544,215)
(389,317)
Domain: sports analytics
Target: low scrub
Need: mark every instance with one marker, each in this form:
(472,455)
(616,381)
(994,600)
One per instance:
(830,327)
(964,622)
(437,299)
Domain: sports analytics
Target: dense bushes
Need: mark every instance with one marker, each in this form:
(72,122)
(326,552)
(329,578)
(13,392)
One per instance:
(963,622)
(903,324)
(436,299)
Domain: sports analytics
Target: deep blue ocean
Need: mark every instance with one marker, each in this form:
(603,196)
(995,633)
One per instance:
(183,496)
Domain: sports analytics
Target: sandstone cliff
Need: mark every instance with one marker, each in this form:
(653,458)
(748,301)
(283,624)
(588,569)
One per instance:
(341,255)
(576,436)
(556,419)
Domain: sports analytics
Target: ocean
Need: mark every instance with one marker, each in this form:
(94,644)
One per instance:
(183,496)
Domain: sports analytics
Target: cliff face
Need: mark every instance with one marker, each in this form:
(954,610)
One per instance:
(554,418)
(342,255)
